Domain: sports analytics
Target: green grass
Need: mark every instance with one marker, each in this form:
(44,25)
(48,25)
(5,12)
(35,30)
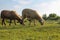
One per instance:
(49,31)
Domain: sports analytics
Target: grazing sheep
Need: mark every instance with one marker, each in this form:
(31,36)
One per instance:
(11,15)
(32,15)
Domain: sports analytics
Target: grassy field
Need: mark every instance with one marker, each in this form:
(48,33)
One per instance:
(49,31)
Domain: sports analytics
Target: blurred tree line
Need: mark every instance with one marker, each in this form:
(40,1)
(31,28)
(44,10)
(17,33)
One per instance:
(51,16)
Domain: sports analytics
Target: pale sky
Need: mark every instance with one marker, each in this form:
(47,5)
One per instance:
(41,6)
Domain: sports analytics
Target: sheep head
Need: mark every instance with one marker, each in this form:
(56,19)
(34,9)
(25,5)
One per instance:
(41,21)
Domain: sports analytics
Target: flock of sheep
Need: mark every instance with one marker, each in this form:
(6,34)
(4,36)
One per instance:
(26,13)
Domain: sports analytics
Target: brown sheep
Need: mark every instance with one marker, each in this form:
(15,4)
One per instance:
(31,15)
(11,15)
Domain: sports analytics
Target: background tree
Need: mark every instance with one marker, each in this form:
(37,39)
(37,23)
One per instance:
(45,17)
(58,18)
(52,16)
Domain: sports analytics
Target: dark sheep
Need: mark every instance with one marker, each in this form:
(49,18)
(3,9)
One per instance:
(11,15)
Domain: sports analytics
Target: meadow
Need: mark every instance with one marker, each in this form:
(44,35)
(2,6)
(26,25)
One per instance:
(49,31)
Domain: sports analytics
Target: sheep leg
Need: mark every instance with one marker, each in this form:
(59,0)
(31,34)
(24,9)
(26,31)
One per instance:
(23,18)
(3,22)
(10,22)
(29,22)
(34,23)
(14,22)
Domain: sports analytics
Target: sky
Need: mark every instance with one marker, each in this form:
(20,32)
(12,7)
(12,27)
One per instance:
(41,6)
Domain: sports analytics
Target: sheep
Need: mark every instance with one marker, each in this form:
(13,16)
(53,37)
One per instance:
(31,15)
(11,15)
